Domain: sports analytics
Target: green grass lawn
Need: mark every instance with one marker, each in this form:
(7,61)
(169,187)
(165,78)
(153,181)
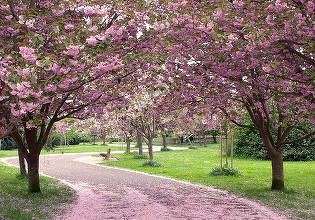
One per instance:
(296,202)
(17,203)
(81,148)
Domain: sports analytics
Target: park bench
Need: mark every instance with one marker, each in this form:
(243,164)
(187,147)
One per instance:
(106,156)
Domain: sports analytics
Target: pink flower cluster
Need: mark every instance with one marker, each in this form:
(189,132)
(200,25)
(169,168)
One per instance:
(72,50)
(92,41)
(28,53)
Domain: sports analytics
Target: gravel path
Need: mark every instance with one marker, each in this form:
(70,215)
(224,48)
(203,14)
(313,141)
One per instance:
(110,193)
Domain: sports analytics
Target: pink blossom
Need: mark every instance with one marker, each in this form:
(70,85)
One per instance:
(281,5)
(240,54)
(232,37)
(210,26)
(66,83)
(51,88)
(9,17)
(310,7)
(3,98)
(92,41)
(28,53)
(45,4)
(89,10)
(27,107)
(72,50)
(69,27)
(58,12)
(238,4)
(267,69)
(218,15)
(270,9)
(269,20)
(94,28)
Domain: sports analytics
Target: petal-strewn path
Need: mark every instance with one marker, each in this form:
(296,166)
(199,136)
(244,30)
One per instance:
(110,193)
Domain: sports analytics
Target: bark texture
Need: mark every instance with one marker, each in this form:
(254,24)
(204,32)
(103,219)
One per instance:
(150,148)
(277,171)
(22,164)
(164,140)
(33,173)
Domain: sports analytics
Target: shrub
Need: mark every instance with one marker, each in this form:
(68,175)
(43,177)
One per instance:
(249,144)
(8,143)
(165,149)
(226,171)
(74,140)
(136,155)
(151,164)
(193,148)
(128,153)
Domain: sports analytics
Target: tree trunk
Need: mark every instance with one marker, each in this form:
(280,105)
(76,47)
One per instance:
(33,173)
(179,139)
(22,164)
(139,143)
(150,148)
(164,140)
(277,171)
(204,139)
(199,138)
(104,139)
(276,162)
(128,144)
(214,139)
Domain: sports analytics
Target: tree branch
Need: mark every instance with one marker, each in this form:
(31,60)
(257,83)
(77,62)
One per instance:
(13,12)
(292,50)
(235,122)
(296,140)
(33,4)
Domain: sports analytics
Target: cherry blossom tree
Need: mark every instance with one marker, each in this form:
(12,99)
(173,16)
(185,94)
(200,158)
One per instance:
(122,119)
(144,116)
(63,128)
(243,56)
(57,58)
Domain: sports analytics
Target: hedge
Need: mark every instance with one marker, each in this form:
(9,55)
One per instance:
(249,144)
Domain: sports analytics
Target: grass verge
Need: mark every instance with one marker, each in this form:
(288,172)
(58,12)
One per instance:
(81,148)
(296,202)
(17,203)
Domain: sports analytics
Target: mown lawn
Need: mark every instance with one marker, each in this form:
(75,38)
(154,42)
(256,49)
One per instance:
(80,148)
(296,202)
(17,203)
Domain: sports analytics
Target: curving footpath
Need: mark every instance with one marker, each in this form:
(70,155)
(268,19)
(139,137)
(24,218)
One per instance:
(111,193)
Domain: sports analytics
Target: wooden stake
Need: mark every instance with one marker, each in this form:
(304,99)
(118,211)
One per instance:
(232,152)
(221,154)
(226,151)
